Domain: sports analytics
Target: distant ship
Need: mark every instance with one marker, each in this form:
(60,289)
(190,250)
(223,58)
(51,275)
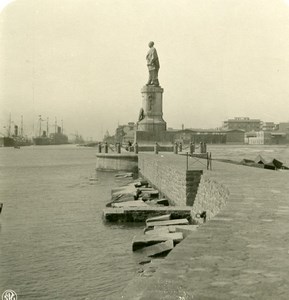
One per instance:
(57,138)
(7,141)
(14,140)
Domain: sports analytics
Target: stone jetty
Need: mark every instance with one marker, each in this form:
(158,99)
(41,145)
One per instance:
(241,252)
(137,201)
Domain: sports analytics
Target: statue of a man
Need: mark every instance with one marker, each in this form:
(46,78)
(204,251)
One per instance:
(153,65)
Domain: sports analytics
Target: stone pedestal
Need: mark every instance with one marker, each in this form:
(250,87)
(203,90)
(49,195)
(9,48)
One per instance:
(152,104)
(152,128)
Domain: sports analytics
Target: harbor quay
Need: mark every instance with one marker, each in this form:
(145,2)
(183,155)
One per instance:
(240,252)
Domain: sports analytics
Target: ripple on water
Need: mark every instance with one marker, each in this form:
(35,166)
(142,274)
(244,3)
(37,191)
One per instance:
(53,242)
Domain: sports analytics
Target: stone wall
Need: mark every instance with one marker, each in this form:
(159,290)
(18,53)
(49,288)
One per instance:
(202,191)
(178,185)
(116,162)
(211,197)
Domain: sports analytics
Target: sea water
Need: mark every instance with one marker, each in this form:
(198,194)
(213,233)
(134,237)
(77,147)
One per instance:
(53,241)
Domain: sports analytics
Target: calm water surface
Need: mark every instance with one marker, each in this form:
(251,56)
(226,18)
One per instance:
(53,243)
(238,152)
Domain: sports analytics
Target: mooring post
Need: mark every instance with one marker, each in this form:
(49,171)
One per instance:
(192,148)
(156,148)
(187,160)
(136,148)
(180,147)
(105,147)
(176,148)
(99,147)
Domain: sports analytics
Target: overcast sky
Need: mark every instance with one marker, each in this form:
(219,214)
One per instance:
(83,61)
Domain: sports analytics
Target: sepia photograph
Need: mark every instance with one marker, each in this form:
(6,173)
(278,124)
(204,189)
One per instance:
(144,149)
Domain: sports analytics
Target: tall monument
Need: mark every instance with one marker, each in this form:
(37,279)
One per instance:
(151,126)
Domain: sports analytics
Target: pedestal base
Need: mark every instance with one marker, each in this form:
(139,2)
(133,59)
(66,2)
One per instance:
(152,128)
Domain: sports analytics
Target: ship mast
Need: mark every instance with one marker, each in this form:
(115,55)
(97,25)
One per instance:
(40,120)
(21,129)
(47,126)
(55,127)
(9,125)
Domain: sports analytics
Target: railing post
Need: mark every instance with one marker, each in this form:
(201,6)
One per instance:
(105,147)
(211,161)
(99,147)
(180,147)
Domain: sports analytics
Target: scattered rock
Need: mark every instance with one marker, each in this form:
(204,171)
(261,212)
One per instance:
(278,164)
(141,183)
(260,160)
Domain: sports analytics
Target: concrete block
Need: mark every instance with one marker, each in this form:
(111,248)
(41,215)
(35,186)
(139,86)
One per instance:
(164,202)
(159,218)
(123,197)
(157,249)
(136,203)
(168,222)
(186,229)
(141,241)
(159,230)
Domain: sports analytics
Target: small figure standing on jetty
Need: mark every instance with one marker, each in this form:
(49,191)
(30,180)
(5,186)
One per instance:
(153,65)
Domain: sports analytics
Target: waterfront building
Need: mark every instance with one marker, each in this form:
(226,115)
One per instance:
(235,136)
(245,124)
(268,126)
(281,134)
(196,136)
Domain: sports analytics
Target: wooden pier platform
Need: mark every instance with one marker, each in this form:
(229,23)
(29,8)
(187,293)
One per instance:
(140,214)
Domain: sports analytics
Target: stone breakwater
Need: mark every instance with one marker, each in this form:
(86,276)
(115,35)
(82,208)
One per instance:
(240,253)
(192,187)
